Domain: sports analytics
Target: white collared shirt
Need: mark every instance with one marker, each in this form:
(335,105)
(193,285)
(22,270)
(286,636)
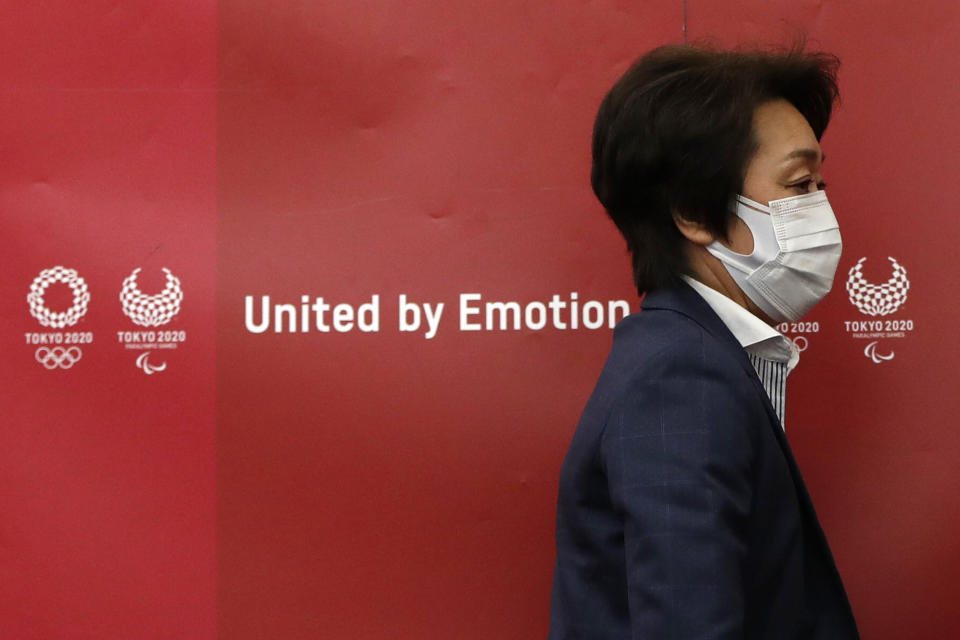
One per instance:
(772,354)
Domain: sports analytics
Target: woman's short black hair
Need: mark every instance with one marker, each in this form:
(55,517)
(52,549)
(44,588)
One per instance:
(675,135)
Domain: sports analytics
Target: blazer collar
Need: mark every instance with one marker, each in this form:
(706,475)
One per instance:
(683,299)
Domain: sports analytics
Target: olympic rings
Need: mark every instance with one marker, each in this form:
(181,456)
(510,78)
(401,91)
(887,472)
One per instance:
(58,357)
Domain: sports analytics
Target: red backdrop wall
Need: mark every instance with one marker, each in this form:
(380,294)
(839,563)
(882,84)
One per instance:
(366,481)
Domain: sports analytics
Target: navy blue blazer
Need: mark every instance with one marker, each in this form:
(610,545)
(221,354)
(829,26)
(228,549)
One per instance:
(681,511)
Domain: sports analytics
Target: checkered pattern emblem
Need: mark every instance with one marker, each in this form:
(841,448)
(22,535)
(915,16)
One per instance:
(878,299)
(151,311)
(58,319)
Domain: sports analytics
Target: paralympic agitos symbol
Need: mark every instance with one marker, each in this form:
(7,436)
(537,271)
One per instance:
(871,352)
(149,369)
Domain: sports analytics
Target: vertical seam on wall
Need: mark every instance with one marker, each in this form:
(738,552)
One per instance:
(684,21)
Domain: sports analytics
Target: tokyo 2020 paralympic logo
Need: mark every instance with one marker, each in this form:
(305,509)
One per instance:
(58,319)
(875,300)
(151,310)
(878,299)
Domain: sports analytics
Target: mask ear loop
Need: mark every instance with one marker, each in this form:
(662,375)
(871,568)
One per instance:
(765,246)
(753,204)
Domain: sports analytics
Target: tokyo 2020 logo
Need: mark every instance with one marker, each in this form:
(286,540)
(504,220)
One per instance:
(58,319)
(151,310)
(883,299)
(878,299)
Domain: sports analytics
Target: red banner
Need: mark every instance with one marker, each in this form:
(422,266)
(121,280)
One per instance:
(301,303)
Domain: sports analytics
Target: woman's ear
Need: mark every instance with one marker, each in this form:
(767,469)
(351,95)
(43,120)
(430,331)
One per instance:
(695,232)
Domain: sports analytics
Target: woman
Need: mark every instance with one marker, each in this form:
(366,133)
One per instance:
(682,513)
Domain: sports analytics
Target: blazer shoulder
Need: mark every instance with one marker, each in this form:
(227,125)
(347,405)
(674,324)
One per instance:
(646,343)
(664,364)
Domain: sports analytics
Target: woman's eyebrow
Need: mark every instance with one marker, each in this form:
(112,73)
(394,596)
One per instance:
(811,154)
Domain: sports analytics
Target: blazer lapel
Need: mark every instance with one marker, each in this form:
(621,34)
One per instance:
(683,299)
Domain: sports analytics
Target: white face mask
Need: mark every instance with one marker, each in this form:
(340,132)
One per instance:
(796,249)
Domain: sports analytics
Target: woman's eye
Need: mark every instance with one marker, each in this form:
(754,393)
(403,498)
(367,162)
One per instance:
(805,185)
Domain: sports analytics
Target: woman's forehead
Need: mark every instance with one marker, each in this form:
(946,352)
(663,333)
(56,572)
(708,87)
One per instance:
(783,133)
